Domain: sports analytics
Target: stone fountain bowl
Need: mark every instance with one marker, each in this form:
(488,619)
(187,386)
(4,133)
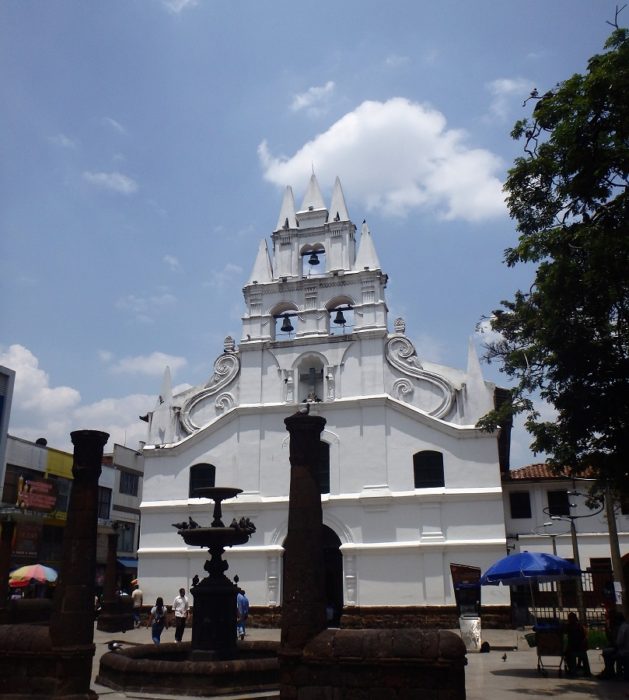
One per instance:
(167,668)
(213,536)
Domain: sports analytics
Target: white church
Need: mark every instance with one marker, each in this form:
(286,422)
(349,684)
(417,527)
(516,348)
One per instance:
(409,485)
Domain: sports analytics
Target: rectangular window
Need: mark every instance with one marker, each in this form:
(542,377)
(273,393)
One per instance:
(558,503)
(520,504)
(104,503)
(126,537)
(129,483)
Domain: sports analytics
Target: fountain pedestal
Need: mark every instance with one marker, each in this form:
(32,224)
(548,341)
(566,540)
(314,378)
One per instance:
(214,621)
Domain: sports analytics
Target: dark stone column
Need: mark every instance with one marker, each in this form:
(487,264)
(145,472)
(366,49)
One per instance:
(303,600)
(72,620)
(6,537)
(116,613)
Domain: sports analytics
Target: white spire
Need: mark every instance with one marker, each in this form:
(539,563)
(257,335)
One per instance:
(474,371)
(313,199)
(166,392)
(338,208)
(262,271)
(287,212)
(367,258)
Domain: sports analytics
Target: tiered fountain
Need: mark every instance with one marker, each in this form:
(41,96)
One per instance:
(214,621)
(214,662)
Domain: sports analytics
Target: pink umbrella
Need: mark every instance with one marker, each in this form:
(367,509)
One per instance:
(37,572)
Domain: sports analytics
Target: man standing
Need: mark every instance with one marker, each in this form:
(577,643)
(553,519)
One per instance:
(138,599)
(180,610)
(242,603)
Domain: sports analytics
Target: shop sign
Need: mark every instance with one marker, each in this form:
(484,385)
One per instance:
(39,495)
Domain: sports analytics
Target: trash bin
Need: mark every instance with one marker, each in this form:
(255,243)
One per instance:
(470,631)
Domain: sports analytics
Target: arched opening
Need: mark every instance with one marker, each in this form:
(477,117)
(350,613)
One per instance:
(332,574)
(333,569)
(310,387)
(285,321)
(313,260)
(341,316)
(201,475)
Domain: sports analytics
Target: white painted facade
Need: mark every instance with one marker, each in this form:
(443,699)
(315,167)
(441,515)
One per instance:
(541,533)
(383,404)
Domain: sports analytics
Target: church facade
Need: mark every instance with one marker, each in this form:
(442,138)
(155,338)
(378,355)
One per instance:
(409,484)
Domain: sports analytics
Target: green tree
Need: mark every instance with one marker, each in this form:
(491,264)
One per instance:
(567,337)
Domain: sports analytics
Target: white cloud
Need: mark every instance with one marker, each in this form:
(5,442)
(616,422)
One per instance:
(507,94)
(63,141)
(113,124)
(116,182)
(486,334)
(32,392)
(172,262)
(314,99)
(41,410)
(146,308)
(177,6)
(398,156)
(221,278)
(152,365)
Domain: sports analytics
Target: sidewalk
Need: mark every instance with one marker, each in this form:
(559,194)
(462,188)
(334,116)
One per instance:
(487,676)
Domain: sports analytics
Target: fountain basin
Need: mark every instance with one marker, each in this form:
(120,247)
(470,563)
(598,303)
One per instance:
(211,536)
(167,669)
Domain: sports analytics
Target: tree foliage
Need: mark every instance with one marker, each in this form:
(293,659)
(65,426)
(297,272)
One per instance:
(567,337)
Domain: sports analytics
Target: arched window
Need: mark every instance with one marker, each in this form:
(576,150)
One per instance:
(310,379)
(285,321)
(428,469)
(324,467)
(201,475)
(313,260)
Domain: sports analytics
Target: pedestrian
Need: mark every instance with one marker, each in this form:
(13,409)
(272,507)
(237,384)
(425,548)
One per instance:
(242,613)
(576,646)
(157,620)
(180,610)
(619,652)
(138,598)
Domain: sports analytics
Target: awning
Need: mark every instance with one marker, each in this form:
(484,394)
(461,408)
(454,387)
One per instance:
(128,562)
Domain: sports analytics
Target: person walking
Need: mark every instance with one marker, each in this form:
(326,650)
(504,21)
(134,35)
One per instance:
(242,610)
(180,611)
(157,620)
(138,599)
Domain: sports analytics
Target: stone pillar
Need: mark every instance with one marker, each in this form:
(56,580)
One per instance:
(6,538)
(72,620)
(116,613)
(303,601)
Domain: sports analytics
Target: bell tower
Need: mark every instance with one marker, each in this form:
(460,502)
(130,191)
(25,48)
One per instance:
(315,282)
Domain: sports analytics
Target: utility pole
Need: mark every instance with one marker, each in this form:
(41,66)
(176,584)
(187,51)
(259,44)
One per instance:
(615,547)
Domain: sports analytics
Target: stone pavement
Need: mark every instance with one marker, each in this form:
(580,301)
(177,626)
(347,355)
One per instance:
(487,676)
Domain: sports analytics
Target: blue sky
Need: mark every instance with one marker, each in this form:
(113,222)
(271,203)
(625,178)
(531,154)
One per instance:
(145,145)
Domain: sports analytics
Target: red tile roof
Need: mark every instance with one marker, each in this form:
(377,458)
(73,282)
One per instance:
(534,471)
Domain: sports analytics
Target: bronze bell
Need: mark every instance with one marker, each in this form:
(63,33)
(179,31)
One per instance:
(287,326)
(313,259)
(340,319)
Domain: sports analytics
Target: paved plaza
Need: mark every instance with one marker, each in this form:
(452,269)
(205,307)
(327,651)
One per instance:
(487,676)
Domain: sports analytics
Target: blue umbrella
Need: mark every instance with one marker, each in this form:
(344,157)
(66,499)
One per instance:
(529,567)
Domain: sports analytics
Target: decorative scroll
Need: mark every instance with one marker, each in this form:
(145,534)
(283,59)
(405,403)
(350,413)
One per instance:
(401,354)
(226,369)
(403,389)
(224,402)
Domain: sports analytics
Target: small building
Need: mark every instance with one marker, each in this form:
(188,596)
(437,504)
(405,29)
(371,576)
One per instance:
(541,508)
(409,485)
(35,496)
